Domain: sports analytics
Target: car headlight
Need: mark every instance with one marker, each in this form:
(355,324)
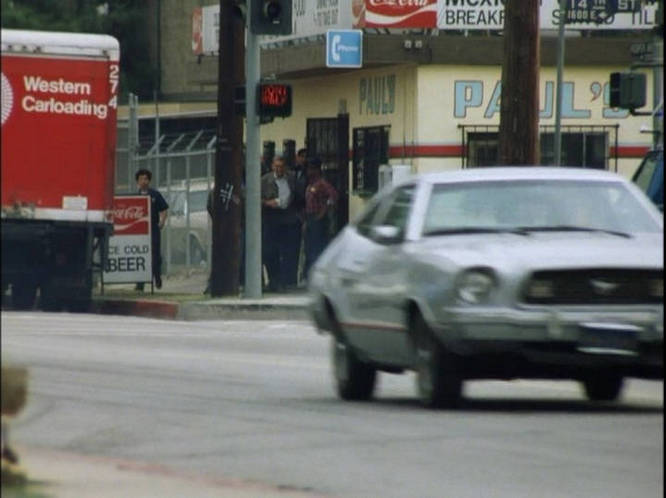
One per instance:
(474,286)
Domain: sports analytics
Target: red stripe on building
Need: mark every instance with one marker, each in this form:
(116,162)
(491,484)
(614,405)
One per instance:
(397,151)
(623,151)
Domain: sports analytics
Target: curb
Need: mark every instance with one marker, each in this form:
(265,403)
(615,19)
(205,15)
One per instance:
(146,308)
(57,473)
(193,311)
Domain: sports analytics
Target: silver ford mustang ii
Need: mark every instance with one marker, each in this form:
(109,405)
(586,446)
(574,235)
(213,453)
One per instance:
(497,273)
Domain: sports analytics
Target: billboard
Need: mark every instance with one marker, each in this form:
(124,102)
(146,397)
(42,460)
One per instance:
(394,14)
(485,15)
(206,30)
(308,19)
(129,258)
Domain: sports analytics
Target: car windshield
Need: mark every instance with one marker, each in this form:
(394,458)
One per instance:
(536,205)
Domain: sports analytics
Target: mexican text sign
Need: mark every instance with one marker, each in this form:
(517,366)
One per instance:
(129,248)
(489,15)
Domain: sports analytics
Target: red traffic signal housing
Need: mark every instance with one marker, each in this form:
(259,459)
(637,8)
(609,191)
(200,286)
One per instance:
(274,100)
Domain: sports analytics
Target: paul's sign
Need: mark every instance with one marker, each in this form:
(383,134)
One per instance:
(475,98)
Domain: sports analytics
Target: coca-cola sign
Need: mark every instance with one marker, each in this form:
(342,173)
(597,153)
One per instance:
(131,215)
(394,13)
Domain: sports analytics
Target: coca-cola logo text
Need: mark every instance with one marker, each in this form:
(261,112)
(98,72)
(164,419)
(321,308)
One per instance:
(399,13)
(400,3)
(129,213)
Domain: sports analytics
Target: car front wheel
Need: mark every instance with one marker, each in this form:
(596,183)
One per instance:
(438,383)
(354,379)
(603,386)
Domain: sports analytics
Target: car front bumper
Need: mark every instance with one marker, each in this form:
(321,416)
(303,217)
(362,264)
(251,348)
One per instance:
(559,340)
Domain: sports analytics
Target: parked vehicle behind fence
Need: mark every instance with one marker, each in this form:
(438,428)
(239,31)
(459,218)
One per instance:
(188,225)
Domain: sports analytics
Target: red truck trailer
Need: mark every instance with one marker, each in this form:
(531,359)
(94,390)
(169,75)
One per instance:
(59,99)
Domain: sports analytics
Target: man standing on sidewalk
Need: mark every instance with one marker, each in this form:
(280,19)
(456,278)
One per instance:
(158,215)
(280,225)
(320,197)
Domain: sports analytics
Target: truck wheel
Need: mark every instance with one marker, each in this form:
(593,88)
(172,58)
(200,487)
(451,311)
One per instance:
(354,379)
(49,298)
(79,305)
(81,297)
(438,383)
(603,386)
(23,295)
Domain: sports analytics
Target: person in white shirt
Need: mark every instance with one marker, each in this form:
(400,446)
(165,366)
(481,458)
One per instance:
(280,226)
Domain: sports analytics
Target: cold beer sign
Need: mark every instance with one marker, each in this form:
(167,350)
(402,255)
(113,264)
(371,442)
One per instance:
(129,257)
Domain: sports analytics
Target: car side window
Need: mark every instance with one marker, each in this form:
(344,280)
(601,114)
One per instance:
(365,222)
(397,212)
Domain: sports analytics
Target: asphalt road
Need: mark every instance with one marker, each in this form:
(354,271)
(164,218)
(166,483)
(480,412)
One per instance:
(254,400)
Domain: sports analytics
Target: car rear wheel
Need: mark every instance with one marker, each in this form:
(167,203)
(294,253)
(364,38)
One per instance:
(603,386)
(354,379)
(438,384)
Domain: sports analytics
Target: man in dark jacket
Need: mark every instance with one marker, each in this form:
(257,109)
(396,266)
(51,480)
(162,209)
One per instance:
(281,226)
(158,213)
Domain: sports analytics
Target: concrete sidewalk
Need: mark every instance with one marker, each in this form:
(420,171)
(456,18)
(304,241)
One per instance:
(66,475)
(181,298)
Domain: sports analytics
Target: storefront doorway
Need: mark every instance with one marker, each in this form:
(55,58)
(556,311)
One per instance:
(328,139)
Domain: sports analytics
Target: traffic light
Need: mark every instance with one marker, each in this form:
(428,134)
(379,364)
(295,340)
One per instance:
(273,100)
(270,17)
(627,90)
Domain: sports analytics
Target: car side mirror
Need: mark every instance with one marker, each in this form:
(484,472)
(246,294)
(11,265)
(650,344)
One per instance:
(386,234)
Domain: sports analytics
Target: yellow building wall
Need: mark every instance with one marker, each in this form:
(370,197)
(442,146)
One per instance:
(392,95)
(450,96)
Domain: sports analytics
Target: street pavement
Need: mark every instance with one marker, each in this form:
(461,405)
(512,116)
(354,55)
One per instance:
(229,404)
(68,475)
(282,366)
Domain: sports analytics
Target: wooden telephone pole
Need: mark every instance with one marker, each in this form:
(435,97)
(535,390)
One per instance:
(519,108)
(227,198)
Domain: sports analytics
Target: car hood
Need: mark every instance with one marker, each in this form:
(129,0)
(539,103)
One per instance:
(548,250)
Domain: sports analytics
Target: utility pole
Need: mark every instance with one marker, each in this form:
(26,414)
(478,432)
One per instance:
(253,241)
(519,108)
(227,199)
(558,90)
(658,79)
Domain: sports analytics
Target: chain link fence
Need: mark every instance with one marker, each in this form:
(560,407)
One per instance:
(182,165)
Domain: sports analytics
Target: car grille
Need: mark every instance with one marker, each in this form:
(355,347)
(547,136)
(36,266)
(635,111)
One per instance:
(595,286)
